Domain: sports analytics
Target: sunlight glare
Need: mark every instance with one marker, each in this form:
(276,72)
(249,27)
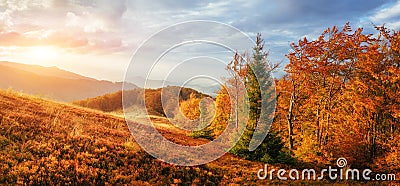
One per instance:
(43,52)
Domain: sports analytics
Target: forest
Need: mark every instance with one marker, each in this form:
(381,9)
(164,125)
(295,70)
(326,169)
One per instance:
(338,98)
(113,102)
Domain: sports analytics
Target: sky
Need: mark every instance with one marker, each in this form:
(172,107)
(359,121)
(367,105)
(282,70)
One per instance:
(98,38)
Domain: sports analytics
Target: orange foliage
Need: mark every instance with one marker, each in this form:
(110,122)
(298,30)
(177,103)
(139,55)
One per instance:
(345,88)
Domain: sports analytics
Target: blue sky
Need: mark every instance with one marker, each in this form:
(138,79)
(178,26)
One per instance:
(97,38)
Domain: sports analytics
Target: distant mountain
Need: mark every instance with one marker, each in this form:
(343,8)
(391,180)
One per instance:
(150,83)
(53,82)
(46,71)
(205,88)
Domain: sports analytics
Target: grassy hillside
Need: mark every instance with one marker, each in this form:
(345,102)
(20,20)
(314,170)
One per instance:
(44,142)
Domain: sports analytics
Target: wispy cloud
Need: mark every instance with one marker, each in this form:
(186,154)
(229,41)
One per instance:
(118,27)
(389,15)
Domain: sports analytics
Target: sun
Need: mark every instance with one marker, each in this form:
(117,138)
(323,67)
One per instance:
(43,52)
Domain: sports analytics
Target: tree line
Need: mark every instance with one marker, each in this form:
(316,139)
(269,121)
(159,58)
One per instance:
(338,98)
(151,98)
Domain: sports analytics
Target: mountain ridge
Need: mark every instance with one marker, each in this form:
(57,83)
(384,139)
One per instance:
(56,84)
(48,71)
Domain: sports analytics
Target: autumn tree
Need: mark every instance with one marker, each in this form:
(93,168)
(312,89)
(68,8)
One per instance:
(287,98)
(338,97)
(237,69)
(375,90)
(190,108)
(317,74)
(223,112)
(197,114)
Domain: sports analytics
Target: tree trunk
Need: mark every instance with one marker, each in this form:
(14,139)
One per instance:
(290,121)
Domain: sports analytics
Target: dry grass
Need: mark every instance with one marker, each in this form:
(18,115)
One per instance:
(45,142)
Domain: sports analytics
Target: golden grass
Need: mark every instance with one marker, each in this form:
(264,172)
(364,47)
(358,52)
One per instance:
(46,142)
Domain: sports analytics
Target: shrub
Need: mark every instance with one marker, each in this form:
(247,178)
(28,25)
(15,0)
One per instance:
(269,151)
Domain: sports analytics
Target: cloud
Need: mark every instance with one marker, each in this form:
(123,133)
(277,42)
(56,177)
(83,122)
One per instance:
(101,26)
(389,15)
(88,23)
(112,10)
(40,38)
(21,5)
(280,22)
(5,21)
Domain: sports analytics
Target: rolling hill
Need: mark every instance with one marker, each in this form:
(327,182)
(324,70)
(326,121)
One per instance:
(53,83)
(44,142)
(113,102)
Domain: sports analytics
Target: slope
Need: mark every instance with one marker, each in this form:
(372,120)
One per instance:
(45,71)
(59,86)
(43,142)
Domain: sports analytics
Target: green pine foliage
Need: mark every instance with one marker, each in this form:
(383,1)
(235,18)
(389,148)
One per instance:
(258,84)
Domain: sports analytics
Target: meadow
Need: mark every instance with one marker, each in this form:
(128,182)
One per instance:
(48,143)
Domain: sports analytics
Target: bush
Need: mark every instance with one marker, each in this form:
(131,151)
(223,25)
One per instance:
(284,157)
(270,150)
(206,133)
